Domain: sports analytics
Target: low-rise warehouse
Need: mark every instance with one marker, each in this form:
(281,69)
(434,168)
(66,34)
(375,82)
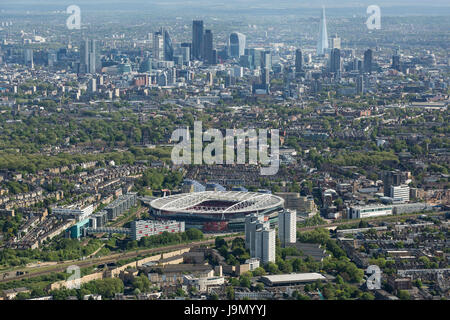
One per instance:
(291,279)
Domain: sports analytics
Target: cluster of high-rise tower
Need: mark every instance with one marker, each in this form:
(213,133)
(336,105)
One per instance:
(260,237)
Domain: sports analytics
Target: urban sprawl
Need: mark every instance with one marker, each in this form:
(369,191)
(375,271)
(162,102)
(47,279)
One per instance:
(88,185)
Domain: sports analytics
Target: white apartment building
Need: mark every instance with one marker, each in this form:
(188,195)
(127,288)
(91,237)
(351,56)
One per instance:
(252,223)
(287,231)
(400,192)
(265,245)
(74,212)
(146,228)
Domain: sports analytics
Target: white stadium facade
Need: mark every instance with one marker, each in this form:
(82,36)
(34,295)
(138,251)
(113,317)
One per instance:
(213,211)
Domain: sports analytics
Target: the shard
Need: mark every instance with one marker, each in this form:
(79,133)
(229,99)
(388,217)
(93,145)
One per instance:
(322,44)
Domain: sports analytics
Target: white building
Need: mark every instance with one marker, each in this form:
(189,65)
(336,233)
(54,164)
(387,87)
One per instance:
(252,263)
(158,46)
(358,212)
(75,212)
(146,228)
(92,297)
(202,284)
(287,231)
(252,223)
(236,45)
(292,279)
(400,192)
(265,245)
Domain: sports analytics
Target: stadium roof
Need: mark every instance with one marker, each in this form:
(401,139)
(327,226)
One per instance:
(233,202)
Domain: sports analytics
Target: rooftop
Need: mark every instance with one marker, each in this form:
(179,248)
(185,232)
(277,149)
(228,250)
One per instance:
(293,277)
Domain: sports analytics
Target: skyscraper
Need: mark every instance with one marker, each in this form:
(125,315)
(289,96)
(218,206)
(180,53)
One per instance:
(265,77)
(393,179)
(89,57)
(265,245)
(237,44)
(168,47)
(287,221)
(158,46)
(209,78)
(186,51)
(256,54)
(266,59)
(368,56)
(92,85)
(360,84)
(253,222)
(335,61)
(396,62)
(298,60)
(146,66)
(322,43)
(84,56)
(28,58)
(197,39)
(208,54)
(336,42)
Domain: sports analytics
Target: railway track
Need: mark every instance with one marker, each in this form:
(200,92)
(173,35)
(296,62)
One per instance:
(111,259)
(128,255)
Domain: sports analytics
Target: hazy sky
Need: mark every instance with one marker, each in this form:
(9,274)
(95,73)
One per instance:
(218,6)
(35,4)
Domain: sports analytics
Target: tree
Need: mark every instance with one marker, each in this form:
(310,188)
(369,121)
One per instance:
(105,287)
(230,293)
(403,295)
(363,224)
(418,283)
(259,272)
(234,282)
(194,234)
(193,290)
(220,242)
(180,293)
(136,291)
(239,251)
(245,282)
(133,244)
(425,260)
(367,296)
(23,296)
(38,292)
(271,268)
(142,283)
(238,243)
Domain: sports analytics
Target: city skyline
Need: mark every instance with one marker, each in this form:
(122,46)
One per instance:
(224,151)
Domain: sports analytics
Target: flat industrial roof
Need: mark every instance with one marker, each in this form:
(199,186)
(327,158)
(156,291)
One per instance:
(294,277)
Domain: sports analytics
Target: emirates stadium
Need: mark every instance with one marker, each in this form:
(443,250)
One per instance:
(216,211)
